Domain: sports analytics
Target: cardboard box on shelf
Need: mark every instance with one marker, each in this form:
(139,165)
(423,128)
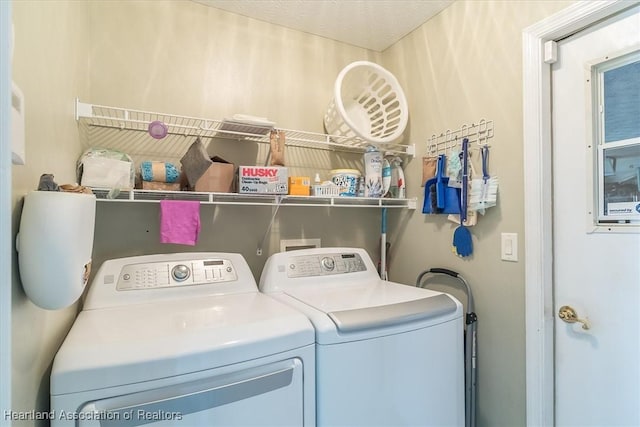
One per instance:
(160,186)
(204,173)
(299,185)
(262,179)
(218,178)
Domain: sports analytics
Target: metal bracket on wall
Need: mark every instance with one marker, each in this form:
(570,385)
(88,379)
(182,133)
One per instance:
(266,233)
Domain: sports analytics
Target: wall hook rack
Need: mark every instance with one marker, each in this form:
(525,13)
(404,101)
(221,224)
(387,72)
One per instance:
(478,134)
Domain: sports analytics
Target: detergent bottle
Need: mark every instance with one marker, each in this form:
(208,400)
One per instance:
(373,172)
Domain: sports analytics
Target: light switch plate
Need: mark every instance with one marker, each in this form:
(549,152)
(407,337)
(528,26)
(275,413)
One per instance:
(509,246)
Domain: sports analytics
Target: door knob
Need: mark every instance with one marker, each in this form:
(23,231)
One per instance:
(569,315)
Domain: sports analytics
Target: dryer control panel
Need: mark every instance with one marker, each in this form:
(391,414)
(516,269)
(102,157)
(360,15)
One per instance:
(152,275)
(325,264)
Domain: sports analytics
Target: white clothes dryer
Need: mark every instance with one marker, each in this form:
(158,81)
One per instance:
(387,354)
(183,340)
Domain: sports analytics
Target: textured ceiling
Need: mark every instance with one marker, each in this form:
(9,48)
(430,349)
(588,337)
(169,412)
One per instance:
(372,24)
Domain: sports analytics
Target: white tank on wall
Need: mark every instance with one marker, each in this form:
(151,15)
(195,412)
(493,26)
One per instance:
(54,246)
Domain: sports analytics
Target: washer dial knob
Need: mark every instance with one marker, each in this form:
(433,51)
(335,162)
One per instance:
(328,263)
(180,273)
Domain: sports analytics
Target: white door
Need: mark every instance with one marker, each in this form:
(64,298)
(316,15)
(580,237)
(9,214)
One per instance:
(5,210)
(597,273)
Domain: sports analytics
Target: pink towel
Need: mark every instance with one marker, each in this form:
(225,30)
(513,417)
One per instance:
(179,222)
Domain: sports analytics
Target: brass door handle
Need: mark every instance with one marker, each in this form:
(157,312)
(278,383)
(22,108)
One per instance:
(569,315)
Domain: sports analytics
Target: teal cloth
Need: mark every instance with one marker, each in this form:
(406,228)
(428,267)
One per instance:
(171,172)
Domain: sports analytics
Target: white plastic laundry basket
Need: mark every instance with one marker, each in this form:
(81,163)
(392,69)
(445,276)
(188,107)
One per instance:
(368,103)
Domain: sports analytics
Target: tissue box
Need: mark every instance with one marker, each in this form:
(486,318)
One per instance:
(299,185)
(262,179)
(104,168)
(218,177)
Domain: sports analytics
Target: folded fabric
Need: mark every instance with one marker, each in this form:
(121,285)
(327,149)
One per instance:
(179,222)
(158,172)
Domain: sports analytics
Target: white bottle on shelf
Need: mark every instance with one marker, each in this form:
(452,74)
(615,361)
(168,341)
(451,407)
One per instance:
(373,172)
(316,185)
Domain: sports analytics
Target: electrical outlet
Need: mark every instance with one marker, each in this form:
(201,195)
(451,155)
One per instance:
(509,246)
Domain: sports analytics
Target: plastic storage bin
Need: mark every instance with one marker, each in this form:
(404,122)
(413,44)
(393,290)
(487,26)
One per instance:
(368,103)
(347,180)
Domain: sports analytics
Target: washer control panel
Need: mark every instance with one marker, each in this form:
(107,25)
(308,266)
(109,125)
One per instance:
(324,264)
(180,273)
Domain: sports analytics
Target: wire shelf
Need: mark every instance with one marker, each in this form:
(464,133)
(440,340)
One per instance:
(151,196)
(131,128)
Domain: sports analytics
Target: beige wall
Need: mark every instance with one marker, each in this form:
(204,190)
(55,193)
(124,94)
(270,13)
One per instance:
(459,67)
(184,58)
(49,66)
(187,59)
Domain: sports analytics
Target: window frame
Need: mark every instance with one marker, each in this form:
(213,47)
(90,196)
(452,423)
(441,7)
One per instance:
(597,219)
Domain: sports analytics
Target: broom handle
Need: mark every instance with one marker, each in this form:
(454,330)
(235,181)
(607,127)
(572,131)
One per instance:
(383,245)
(465,180)
(485,160)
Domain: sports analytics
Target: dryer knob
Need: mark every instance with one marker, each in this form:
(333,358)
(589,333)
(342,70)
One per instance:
(180,273)
(328,263)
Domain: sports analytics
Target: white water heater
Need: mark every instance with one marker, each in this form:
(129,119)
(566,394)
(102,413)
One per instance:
(54,246)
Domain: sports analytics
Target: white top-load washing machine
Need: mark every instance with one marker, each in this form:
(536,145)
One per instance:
(183,340)
(387,354)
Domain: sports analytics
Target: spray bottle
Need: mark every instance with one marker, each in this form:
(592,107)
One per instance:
(386,176)
(398,188)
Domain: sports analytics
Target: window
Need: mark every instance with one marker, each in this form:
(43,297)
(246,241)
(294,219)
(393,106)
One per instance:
(616,86)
